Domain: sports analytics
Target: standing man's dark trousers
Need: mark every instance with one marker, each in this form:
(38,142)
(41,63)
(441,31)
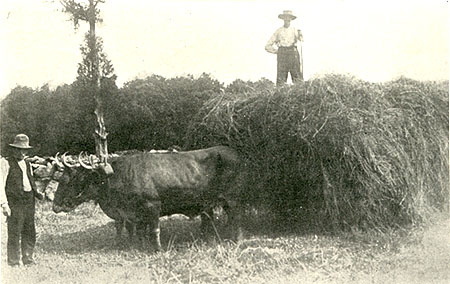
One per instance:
(288,61)
(21,229)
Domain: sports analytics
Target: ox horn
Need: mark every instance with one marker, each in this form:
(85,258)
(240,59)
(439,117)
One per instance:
(65,162)
(57,161)
(83,164)
(95,163)
(91,160)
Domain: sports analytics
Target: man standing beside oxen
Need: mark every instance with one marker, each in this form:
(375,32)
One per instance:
(17,197)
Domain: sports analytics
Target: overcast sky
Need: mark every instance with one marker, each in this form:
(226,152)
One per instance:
(373,40)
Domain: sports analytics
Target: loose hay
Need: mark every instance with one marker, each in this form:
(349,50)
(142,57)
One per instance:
(336,150)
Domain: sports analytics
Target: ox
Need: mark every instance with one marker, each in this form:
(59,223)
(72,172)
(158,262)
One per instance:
(145,186)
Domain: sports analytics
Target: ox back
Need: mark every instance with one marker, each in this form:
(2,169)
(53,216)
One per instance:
(183,182)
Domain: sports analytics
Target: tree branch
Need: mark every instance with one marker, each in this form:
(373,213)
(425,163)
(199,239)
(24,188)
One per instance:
(97,2)
(79,11)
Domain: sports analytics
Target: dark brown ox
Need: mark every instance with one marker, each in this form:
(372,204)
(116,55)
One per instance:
(145,186)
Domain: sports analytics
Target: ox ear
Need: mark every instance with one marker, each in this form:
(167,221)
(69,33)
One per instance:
(107,169)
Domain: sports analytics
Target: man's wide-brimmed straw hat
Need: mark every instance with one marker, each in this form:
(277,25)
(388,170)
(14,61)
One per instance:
(287,14)
(21,141)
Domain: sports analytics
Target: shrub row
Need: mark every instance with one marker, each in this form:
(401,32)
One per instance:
(144,114)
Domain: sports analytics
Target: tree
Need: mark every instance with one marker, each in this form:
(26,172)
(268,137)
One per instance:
(95,67)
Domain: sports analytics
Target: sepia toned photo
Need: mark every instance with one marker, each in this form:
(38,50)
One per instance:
(223,141)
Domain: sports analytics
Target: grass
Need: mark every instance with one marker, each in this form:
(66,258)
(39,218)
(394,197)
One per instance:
(78,247)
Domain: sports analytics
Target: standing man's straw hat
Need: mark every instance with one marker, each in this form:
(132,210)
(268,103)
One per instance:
(287,14)
(21,141)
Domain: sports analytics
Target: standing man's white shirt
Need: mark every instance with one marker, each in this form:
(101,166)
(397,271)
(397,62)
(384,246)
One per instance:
(283,37)
(26,181)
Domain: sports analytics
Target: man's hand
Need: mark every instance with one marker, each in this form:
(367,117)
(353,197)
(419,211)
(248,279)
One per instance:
(271,49)
(38,195)
(300,35)
(6,210)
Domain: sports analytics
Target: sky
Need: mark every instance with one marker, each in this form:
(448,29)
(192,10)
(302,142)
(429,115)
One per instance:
(372,40)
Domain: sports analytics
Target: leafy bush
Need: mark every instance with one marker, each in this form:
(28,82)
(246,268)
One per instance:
(153,113)
(146,113)
(29,111)
(336,150)
(55,120)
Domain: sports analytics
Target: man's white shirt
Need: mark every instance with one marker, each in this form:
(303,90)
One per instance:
(283,37)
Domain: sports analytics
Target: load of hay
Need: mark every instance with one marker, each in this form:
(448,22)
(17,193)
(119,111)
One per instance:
(337,151)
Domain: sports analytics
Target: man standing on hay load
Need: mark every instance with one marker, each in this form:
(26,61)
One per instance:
(288,58)
(17,193)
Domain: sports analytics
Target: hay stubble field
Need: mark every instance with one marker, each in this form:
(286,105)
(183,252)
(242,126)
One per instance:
(79,247)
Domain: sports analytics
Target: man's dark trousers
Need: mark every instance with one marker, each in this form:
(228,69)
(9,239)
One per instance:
(288,61)
(21,229)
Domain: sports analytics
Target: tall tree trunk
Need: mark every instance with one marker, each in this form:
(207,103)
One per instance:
(100,134)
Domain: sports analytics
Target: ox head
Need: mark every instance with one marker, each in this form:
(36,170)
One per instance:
(79,181)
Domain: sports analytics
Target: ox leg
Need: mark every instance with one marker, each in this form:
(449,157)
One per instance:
(234,214)
(152,210)
(155,234)
(207,219)
(131,229)
(119,227)
(141,227)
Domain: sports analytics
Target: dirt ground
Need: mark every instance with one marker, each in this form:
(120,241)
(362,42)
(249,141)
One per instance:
(426,262)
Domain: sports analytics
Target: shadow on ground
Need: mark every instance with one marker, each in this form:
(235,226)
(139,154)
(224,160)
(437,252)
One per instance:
(103,238)
(87,230)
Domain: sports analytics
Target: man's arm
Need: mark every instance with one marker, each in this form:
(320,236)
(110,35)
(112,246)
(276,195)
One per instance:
(270,44)
(4,169)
